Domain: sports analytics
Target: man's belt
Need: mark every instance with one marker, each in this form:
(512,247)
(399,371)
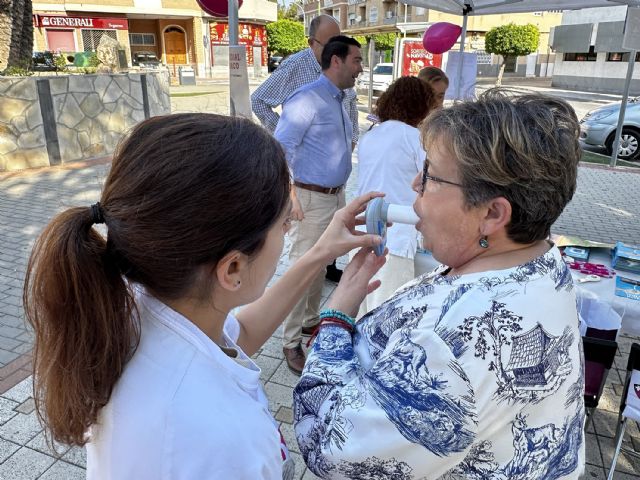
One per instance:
(318,188)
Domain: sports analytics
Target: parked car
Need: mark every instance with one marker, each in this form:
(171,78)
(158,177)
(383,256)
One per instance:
(43,62)
(273,63)
(598,127)
(145,60)
(382,78)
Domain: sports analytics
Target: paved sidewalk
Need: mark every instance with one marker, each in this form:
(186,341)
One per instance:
(543,85)
(606,207)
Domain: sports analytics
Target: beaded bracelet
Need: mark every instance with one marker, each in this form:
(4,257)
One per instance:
(330,321)
(331,313)
(338,322)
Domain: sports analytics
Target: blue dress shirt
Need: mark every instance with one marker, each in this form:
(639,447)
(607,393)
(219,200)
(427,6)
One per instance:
(294,72)
(315,132)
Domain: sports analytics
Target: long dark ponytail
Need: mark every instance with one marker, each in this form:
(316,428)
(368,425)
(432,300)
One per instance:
(183,191)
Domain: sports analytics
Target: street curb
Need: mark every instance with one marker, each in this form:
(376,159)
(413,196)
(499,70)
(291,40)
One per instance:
(617,168)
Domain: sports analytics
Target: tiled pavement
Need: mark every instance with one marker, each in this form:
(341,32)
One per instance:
(606,207)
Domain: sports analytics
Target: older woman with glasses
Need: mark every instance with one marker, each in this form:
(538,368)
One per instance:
(475,369)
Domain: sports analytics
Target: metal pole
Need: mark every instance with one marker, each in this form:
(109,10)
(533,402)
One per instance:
(304,18)
(463,35)
(233,41)
(372,47)
(616,452)
(233,22)
(623,108)
(207,47)
(405,21)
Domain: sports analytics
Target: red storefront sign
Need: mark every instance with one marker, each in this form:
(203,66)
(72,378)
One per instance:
(80,22)
(415,58)
(249,35)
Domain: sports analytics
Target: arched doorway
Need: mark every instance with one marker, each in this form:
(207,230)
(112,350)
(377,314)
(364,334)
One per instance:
(175,46)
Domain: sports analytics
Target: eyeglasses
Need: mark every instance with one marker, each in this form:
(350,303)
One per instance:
(426,176)
(319,42)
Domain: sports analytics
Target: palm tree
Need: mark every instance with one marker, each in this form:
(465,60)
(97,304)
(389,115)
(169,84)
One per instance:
(5,31)
(16,33)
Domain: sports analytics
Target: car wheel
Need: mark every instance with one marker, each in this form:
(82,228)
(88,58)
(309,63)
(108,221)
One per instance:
(629,148)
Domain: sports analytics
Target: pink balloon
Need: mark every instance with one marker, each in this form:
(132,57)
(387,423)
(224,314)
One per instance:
(217,8)
(440,37)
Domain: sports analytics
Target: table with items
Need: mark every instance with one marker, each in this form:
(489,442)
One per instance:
(607,289)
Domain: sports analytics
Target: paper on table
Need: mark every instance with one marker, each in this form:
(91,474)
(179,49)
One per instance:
(598,314)
(570,240)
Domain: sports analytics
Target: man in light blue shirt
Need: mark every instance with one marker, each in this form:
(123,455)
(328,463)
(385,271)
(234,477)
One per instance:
(298,70)
(316,132)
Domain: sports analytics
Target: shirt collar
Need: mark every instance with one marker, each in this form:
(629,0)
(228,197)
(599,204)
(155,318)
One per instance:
(331,88)
(314,60)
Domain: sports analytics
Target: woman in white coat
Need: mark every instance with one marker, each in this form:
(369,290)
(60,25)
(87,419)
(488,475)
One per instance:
(389,157)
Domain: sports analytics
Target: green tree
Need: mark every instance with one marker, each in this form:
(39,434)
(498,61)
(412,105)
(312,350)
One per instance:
(511,41)
(384,41)
(291,12)
(285,37)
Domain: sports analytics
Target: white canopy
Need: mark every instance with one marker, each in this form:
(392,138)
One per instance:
(488,7)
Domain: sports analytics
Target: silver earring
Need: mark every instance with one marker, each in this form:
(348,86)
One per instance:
(484,243)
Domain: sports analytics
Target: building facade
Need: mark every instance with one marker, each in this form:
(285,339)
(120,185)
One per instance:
(177,32)
(589,53)
(367,17)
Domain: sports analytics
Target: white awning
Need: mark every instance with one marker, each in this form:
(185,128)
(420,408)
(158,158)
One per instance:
(487,7)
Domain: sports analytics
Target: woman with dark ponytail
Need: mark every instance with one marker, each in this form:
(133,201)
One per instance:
(136,352)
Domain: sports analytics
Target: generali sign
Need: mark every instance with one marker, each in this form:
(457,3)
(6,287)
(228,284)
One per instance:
(81,22)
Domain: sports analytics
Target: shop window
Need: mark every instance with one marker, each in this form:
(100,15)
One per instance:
(591,56)
(362,13)
(60,40)
(91,38)
(621,57)
(142,39)
(484,58)
(373,15)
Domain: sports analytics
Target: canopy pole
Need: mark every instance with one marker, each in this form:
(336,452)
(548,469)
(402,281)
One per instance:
(405,21)
(372,48)
(233,41)
(463,36)
(233,22)
(623,108)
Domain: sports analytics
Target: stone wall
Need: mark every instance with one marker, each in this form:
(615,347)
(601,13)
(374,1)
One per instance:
(53,120)
(22,140)
(158,94)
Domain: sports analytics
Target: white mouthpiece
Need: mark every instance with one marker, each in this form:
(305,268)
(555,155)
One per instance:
(401,214)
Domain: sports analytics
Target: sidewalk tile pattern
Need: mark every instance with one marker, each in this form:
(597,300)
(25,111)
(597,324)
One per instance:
(605,208)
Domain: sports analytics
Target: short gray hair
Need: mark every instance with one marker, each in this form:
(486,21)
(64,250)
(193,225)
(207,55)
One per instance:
(523,148)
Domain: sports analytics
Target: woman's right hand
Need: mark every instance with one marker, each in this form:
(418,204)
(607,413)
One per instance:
(356,283)
(341,236)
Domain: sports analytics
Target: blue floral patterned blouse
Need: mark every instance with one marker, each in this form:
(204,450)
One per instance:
(478,376)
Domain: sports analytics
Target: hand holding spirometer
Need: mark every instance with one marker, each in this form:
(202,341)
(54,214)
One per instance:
(379,212)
